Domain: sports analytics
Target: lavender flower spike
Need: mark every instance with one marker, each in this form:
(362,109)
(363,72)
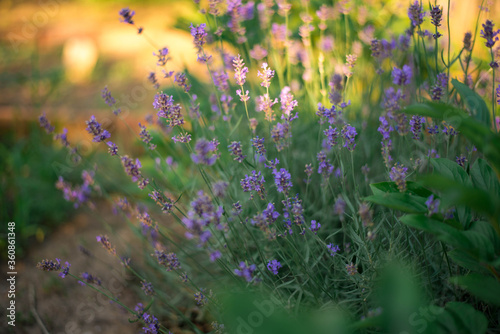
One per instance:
(266,75)
(402,76)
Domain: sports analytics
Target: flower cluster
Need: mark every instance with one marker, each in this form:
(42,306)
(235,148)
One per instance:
(95,129)
(246,271)
(273,266)
(202,214)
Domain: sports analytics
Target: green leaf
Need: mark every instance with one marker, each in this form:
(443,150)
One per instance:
(412,188)
(474,102)
(486,288)
(467,319)
(465,197)
(484,177)
(475,247)
(485,229)
(467,261)
(400,201)
(479,134)
(441,230)
(451,169)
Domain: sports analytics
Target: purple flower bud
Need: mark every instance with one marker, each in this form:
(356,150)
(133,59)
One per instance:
(273,266)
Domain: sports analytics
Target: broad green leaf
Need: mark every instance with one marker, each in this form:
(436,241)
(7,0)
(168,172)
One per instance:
(439,229)
(400,201)
(451,170)
(485,228)
(479,134)
(484,177)
(467,261)
(412,188)
(486,288)
(454,193)
(474,102)
(468,319)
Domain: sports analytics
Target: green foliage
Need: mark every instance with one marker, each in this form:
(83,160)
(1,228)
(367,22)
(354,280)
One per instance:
(27,190)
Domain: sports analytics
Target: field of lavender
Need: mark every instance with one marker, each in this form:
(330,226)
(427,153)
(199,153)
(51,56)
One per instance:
(334,169)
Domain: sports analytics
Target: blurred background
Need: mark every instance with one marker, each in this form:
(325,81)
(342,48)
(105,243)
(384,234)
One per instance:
(56,56)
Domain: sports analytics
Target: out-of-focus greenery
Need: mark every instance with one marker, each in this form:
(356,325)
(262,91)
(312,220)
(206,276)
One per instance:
(27,192)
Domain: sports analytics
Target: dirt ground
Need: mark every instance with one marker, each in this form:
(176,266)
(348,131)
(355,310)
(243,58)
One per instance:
(63,305)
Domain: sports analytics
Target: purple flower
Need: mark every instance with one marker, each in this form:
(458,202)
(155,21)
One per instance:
(44,123)
(215,255)
(489,34)
(49,265)
(325,168)
(168,260)
(106,244)
(282,179)
(237,209)
(331,135)
(148,288)
(385,128)
(309,172)
(240,70)
(205,152)
(126,15)
(336,86)
(65,270)
(415,14)
(182,81)
(351,269)
(266,75)
(220,188)
(131,168)
(287,101)
(202,214)
(152,324)
(106,95)
(315,226)
(436,15)
(153,80)
(416,126)
(498,94)
(279,133)
(392,99)
(90,279)
(333,249)
(432,205)
(112,148)
(398,175)
(146,137)
(166,109)
(235,150)
(328,114)
(63,137)
(339,206)
(461,160)
(200,298)
(162,56)
(258,144)
(198,34)
(221,80)
(245,271)
(272,164)
(273,266)
(94,128)
(433,130)
(402,76)
(258,52)
(255,182)
(349,133)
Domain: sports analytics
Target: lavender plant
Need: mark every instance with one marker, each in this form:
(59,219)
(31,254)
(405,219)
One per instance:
(242,214)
